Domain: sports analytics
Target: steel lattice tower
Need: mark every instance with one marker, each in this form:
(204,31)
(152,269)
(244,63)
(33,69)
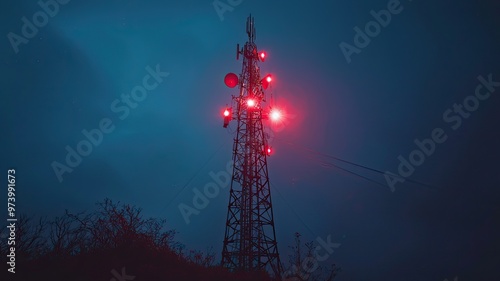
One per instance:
(250,238)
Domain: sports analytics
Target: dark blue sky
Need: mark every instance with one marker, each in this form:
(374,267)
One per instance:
(368,111)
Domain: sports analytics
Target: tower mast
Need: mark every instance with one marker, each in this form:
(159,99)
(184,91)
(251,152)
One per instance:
(250,237)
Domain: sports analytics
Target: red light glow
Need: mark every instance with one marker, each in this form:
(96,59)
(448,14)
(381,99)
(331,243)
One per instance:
(269,79)
(226,113)
(275,115)
(268,151)
(251,102)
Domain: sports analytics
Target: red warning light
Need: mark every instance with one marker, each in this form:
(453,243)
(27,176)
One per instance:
(262,56)
(266,80)
(275,115)
(227,117)
(268,150)
(251,102)
(265,84)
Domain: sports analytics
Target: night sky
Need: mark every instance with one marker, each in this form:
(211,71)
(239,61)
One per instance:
(428,75)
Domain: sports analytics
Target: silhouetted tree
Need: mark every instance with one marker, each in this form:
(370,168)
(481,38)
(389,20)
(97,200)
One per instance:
(113,239)
(31,243)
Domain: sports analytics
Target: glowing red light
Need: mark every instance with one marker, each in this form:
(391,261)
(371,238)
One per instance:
(251,102)
(226,113)
(269,151)
(262,56)
(269,79)
(275,115)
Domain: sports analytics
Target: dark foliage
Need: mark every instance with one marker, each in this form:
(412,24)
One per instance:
(112,243)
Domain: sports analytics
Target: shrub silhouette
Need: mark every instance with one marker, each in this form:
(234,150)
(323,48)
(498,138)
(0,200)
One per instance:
(111,240)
